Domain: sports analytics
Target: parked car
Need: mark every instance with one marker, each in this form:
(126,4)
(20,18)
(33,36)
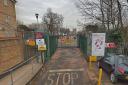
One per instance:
(116,65)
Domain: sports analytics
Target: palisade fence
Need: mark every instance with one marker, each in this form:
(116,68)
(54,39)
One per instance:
(51,44)
(82,43)
(123,48)
(29,51)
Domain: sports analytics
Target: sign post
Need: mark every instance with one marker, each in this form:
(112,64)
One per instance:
(41,47)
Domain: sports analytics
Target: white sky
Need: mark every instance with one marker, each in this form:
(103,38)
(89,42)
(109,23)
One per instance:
(26,10)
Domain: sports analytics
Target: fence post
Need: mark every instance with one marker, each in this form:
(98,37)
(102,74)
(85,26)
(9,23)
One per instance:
(48,40)
(11,77)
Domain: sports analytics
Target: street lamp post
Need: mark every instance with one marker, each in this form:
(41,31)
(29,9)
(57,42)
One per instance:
(37,16)
(42,57)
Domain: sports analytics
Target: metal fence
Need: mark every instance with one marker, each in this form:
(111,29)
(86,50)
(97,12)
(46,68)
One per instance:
(82,42)
(22,73)
(51,44)
(28,50)
(122,48)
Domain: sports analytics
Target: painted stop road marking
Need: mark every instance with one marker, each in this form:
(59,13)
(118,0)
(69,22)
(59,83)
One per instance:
(64,77)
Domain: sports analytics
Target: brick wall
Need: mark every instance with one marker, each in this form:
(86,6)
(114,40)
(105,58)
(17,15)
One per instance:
(11,53)
(7,19)
(11,49)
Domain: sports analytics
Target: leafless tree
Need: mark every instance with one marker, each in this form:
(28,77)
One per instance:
(53,21)
(108,12)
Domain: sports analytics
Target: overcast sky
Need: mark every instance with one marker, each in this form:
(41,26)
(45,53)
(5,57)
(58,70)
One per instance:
(26,10)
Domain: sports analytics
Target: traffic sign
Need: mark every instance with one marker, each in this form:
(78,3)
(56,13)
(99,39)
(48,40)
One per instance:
(111,45)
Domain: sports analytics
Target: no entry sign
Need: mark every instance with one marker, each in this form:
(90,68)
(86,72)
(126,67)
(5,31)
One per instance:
(111,45)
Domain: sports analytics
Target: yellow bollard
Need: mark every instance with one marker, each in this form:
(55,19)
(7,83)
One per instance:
(100,76)
(90,65)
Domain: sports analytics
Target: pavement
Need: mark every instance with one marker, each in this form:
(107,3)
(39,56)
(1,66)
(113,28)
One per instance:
(22,75)
(67,67)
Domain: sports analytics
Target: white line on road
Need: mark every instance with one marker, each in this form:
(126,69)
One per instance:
(66,70)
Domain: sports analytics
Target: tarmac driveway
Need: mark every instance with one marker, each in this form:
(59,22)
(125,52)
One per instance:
(67,67)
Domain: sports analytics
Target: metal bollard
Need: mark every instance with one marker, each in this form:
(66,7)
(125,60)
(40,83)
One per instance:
(11,77)
(100,76)
(90,65)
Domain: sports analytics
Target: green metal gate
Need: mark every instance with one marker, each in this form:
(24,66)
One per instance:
(51,44)
(82,43)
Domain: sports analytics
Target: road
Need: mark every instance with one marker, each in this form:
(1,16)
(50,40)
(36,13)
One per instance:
(67,67)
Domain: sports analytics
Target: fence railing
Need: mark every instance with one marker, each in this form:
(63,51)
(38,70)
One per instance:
(82,42)
(51,43)
(22,73)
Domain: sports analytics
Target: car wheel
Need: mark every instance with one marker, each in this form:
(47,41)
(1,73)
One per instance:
(113,78)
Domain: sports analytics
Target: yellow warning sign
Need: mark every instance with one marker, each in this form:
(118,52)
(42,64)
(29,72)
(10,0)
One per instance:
(42,47)
(30,42)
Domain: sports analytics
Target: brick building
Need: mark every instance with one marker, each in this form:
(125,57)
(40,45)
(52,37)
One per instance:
(11,46)
(7,18)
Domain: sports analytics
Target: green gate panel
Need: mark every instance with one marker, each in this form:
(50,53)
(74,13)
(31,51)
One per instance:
(51,42)
(82,42)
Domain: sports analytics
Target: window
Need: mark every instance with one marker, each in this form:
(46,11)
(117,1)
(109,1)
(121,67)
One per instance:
(6,2)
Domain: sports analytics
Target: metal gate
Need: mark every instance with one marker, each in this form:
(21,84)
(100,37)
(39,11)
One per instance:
(67,41)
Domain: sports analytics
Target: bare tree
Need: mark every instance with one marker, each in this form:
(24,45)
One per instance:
(108,12)
(53,21)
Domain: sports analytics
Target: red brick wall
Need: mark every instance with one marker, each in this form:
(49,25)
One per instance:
(11,53)
(10,26)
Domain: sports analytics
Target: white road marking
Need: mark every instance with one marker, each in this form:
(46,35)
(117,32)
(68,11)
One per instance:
(66,70)
(64,79)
